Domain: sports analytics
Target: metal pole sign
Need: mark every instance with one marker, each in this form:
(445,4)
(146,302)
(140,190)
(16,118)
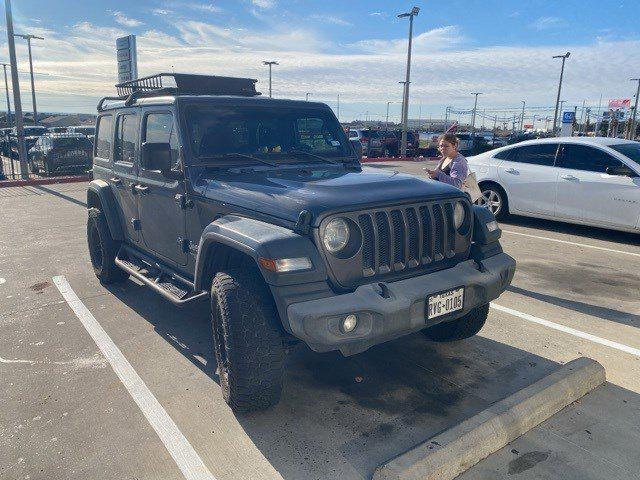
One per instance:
(127,58)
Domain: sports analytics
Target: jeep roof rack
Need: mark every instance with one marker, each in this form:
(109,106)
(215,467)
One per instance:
(189,84)
(182,84)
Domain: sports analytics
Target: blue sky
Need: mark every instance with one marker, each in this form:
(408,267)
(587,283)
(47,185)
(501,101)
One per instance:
(356,49)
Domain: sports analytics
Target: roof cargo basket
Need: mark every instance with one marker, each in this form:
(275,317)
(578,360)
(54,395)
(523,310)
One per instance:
(187,84)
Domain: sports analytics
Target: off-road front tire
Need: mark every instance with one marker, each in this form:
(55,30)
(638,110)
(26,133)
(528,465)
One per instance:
(459,329)
(247,340)
(103,249)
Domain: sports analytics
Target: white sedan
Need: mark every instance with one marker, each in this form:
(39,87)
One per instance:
(590,181)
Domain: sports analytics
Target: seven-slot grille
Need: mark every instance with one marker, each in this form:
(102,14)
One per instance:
(406,237)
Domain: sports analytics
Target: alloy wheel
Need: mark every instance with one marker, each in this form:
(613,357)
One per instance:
(492,200)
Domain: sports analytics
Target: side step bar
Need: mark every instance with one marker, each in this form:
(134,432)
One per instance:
(162,280)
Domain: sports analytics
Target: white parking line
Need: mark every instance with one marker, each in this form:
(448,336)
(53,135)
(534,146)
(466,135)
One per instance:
(572,243)
(187,459)
(569,330)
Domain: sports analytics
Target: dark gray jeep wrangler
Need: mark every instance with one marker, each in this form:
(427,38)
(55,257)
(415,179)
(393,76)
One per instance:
(202,188)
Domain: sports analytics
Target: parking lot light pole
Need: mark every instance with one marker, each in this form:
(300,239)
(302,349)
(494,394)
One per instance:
(6,89)
(555,116)
(632,134)
(28,38)
(522,118)
(405,101)
(386,123)
(473,113)
(22,152)
(270,64)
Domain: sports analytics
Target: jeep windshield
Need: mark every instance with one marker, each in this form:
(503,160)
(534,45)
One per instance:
(222,135)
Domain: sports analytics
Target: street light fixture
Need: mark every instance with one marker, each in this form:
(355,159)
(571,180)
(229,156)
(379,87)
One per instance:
(405,101)
(28,38)
(555,116)
(473,113)
(632,133)
(270,64)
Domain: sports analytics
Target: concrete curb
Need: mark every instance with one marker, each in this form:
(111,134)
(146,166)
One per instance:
(454,451)
(44,181)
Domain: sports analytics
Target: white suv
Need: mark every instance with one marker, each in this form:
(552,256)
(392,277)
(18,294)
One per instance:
(591,181)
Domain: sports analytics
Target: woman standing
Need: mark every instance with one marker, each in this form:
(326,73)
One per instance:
(453,168)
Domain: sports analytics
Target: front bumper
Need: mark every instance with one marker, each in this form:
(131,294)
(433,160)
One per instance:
(398,309)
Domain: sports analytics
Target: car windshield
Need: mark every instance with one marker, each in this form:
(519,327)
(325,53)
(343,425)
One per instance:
(370,134)
(85,130)
(629,150)
(279,134)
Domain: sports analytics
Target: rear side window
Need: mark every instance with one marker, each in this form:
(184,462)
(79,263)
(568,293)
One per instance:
(543,154)
(504,155)
(159,128)
(126,137)
(103,142)
(629,150)
(582,157)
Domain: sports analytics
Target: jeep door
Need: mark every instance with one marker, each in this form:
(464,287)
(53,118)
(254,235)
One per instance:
(162,217)
(123,180)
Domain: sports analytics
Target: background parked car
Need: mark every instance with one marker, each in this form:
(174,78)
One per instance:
(31,134)
(370,140)
(391,140)
(57,129)
(591,181)
(61,152)
(5,145)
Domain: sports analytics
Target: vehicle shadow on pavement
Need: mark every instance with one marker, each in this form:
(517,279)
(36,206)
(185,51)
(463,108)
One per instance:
(595,233)
(341,417)
(605,313)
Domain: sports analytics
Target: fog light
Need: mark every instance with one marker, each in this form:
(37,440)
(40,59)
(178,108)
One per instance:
(349,323)
(492,226)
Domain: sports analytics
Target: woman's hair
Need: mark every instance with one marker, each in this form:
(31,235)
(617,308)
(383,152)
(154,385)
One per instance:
(450,138)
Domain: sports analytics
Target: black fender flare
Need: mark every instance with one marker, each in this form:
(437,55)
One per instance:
(257,239)
(99,194)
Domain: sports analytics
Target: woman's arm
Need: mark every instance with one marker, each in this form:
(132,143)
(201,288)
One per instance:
(458,173)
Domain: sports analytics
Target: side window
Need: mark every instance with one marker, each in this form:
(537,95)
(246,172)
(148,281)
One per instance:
(543,154)
(103,137)
(581,157)
(505,154)
(126,137)
(159,128)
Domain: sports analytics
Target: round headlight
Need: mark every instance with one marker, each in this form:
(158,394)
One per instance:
(458,215)
(336,235)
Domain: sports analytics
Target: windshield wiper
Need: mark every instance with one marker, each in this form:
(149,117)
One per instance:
(313,155)
(236,154)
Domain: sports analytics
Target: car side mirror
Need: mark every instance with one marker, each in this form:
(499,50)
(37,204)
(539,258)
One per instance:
(357,147)
(157,156)
(621,171)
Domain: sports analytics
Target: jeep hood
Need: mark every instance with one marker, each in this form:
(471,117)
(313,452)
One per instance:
(285,192)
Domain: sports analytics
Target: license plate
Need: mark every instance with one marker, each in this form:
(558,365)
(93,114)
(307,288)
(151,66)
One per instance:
(445,302)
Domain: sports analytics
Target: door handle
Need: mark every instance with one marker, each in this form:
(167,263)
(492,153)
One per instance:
(568,177)
(141,189)
(511,170)
(116,181)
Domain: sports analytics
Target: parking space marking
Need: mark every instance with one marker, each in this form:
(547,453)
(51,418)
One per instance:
(183,453)
(572,243)
(569,330)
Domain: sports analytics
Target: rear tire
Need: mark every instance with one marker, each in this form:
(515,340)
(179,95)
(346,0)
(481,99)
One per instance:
(103,249)
(247,340)
(459,329)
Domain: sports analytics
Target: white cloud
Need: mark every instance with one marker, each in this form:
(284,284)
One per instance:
(332,19)
(378,14)
(264,3)
(205,7)
(546,23)
(160,11)
(432,40)
(122,19)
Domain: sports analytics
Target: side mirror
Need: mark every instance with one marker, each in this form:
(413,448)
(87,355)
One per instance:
(157,156)
(357,147)
(621,171)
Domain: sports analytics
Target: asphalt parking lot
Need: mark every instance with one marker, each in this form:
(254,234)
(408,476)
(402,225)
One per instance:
(66,414)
